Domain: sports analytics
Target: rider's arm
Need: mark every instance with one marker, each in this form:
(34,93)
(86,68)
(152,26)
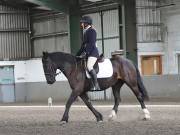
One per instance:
(81,50)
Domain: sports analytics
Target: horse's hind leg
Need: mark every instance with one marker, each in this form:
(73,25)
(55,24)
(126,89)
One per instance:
(116,93)
(86,100)
(140,98)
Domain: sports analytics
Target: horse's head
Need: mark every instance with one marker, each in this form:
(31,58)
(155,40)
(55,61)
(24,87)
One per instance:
(49,68)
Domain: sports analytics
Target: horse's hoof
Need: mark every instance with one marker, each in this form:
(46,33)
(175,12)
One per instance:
(63,123)
(100,121)
(147,118)
(112,116)
(100,118)
(146,114)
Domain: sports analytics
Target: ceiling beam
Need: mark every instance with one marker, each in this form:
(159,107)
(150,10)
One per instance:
(57,5)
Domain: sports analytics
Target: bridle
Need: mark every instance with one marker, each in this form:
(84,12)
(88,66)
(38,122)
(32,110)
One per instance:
(54,75)
(51,67)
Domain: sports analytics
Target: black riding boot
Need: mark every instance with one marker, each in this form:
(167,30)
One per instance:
(95,85)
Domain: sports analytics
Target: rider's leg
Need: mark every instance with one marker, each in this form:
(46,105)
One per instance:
(90,63)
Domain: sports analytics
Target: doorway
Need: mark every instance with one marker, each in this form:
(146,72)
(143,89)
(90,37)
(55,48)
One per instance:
(7,89)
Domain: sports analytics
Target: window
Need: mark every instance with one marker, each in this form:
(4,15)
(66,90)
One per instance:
(151,65)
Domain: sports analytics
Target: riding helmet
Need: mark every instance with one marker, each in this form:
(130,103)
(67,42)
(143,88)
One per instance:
(86,19)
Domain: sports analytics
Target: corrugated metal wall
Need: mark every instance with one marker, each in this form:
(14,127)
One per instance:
(149,26)
(14,33)
(111,31)
(50,33)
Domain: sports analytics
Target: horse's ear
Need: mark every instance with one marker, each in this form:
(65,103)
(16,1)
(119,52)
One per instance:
(45,54)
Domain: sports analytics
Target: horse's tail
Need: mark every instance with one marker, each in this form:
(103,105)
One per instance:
(141,86)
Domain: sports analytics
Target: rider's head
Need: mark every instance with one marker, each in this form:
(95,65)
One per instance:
(85,21)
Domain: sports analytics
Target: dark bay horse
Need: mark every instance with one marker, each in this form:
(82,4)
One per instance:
(124,71)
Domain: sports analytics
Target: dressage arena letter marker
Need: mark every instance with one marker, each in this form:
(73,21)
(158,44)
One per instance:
(50,102)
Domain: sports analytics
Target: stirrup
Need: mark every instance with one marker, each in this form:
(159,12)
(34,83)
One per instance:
(98,89)
(93,88)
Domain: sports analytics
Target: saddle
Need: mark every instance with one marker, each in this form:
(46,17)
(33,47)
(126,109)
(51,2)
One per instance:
(103,67)
(84,62)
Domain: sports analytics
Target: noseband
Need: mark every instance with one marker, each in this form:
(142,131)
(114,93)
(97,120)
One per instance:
(51,67)
(54,75)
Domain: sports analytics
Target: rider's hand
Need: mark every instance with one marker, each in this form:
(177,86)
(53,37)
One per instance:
(83,55)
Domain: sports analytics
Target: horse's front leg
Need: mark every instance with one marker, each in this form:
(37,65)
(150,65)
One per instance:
(86,100)
(71,99)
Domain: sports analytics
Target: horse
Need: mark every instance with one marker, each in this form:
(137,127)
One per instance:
(124,72)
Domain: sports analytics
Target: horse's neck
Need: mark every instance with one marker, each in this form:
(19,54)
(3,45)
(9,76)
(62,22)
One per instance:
(66,67)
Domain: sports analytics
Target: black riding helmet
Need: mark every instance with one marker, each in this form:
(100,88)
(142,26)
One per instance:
(86,19)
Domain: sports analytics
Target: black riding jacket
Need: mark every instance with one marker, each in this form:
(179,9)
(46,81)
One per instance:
(89,43)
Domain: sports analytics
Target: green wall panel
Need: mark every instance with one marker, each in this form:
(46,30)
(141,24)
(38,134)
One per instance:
(75,39)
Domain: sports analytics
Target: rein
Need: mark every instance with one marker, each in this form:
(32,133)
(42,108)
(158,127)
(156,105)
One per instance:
(53,74)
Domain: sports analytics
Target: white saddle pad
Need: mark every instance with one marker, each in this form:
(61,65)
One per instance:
(105,69)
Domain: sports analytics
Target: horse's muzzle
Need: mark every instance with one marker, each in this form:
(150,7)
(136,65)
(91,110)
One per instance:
(50,82)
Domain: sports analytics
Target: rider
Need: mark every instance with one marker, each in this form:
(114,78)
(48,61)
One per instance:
(89,48)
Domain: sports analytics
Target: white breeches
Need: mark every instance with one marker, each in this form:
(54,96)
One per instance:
(90,63)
